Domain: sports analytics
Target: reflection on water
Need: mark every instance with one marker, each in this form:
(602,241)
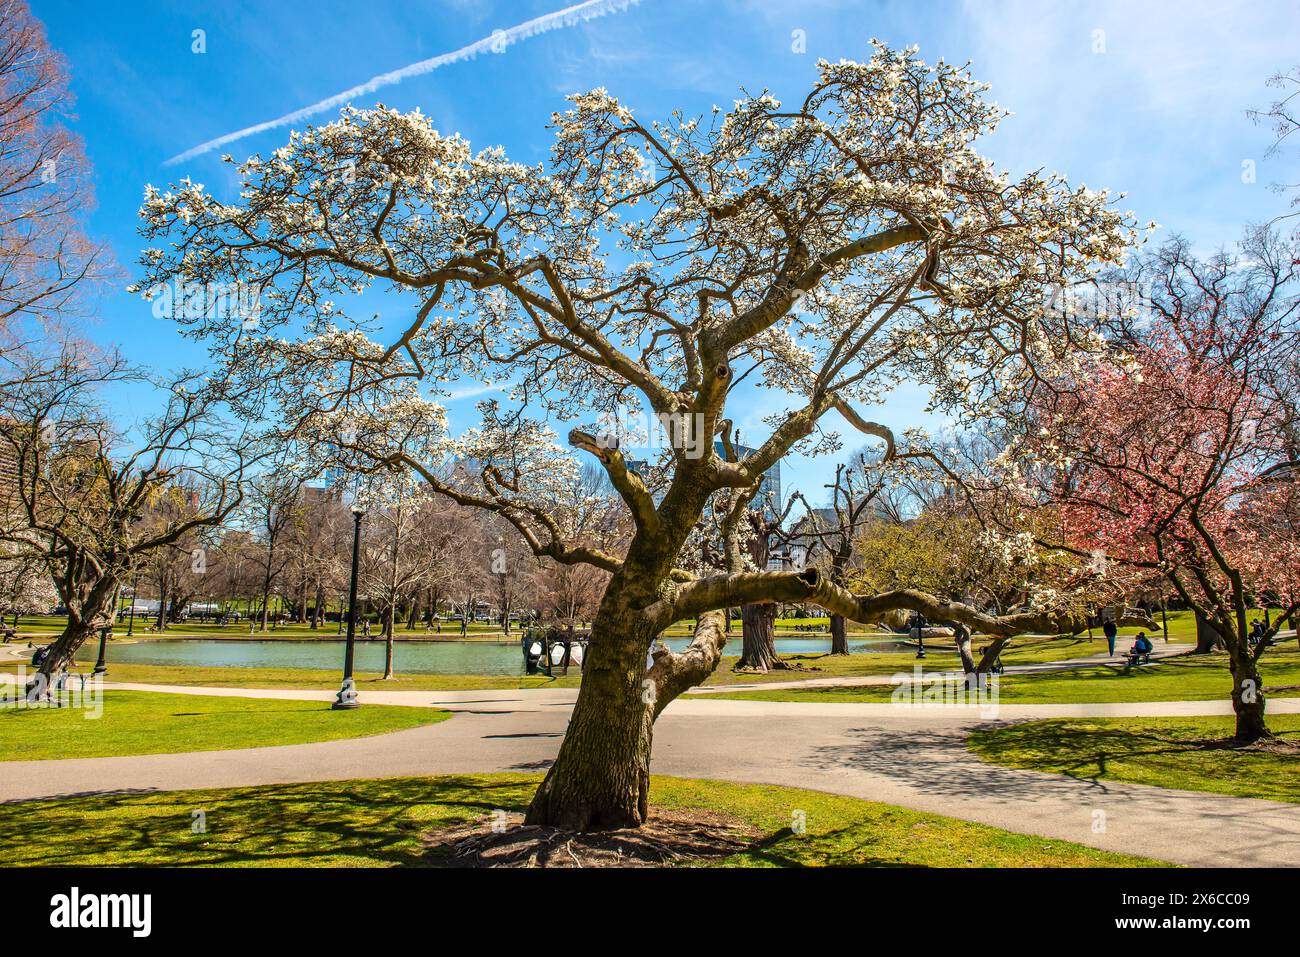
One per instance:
(412,657)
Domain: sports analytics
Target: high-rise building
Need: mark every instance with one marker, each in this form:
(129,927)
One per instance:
(769,490)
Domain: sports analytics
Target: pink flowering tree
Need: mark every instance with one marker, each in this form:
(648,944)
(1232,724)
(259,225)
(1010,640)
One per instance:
(1172,452)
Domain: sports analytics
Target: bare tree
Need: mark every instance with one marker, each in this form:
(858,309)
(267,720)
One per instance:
(829,536)
(272,512)
(1283,117)
(83,492)
(46,261)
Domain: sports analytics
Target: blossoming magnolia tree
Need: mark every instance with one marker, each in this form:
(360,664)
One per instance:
(819,249)
(1175,454)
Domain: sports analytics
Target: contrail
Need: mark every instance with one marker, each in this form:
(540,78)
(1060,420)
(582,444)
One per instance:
(495,42)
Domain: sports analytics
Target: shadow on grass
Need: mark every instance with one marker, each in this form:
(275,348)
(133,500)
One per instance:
(378,822)
(1087,749)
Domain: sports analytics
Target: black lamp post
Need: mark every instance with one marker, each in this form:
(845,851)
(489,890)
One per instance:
(919,623)
(347,696)
(101,667)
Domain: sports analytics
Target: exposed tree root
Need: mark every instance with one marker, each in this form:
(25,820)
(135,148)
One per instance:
(1269,745)
(668,838)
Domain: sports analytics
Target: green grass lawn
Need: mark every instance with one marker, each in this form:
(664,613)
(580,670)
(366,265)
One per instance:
(1189,678)
(314,678)
(379,823)
(138,722)
(1165,752)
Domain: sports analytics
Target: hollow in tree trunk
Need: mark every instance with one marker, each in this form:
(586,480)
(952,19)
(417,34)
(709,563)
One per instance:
(839,635)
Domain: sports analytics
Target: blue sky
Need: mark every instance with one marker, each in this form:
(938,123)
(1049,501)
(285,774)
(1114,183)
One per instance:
(1147,98)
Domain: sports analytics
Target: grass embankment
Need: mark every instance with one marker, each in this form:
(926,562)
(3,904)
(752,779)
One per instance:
(138,722)
(1187,753)
(1185,678)
(380,823)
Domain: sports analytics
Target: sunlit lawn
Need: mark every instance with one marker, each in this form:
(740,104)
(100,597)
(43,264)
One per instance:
(1167,752)
(137,722)
(380,823)
(1184,678)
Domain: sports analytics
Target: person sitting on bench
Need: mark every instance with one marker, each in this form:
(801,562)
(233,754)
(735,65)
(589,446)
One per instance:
(1140,653)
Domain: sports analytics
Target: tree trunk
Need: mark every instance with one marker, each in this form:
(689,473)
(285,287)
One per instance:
(963,650)
(839,635)
(601,777)
(758,639)
(162,602)
(96,611)
(75,634)
(1248,700)
(388,645)
(1207,635)
(266,590)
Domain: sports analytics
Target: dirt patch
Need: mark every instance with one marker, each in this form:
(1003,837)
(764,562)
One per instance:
(1272,746)
(670,837)
(1278,745)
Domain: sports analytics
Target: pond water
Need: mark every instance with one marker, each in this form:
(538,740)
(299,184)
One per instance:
(412,657)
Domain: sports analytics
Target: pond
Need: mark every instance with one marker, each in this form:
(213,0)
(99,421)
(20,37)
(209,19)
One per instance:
(412,657)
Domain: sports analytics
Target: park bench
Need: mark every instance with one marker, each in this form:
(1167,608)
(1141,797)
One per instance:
(1134,658)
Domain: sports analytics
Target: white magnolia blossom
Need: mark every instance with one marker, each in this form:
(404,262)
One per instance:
(825,248)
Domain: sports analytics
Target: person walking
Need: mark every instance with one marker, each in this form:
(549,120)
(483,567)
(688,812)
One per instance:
(1108,627)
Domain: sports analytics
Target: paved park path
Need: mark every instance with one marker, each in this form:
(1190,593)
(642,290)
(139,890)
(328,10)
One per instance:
(909,756)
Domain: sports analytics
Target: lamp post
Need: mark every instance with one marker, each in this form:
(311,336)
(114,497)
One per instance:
(101,667)
(919,624)
(347,696)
